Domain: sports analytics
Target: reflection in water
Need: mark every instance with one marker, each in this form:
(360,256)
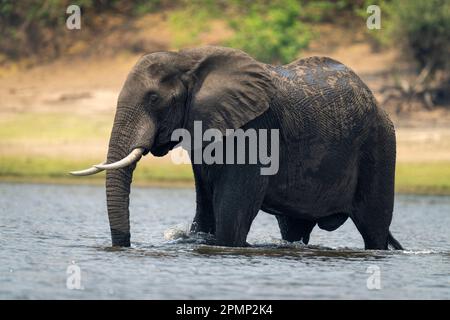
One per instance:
(285,251)
(45,229)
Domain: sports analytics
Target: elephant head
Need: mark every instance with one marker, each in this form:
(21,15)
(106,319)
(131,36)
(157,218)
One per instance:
(223,88)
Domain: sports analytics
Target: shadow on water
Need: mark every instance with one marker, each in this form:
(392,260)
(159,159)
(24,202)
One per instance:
(289,251)
(172,250)
(139,252)
(185,243)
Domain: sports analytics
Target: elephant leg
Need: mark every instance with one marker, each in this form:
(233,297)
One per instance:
(293,229)
(204,216)
(374,197)
(238,196)
(373,229)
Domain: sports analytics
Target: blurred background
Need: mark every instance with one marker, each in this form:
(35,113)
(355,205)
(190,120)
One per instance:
(58,87)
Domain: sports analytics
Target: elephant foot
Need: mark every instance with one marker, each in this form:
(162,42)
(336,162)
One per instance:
(119,238)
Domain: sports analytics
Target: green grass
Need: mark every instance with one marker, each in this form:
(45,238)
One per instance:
(58,129)
(49,131)
(53,170)
(417,178)
(188,25)
(423,178)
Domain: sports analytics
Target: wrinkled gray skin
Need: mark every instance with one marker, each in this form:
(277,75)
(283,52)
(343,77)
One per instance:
(337,147)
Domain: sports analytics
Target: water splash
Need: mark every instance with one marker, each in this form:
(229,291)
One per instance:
(181,234)
(423,251)
(175,233)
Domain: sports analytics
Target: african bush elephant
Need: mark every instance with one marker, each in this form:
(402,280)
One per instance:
(336,146)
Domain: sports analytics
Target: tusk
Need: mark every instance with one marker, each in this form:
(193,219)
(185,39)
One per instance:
(88,172)
(134,156)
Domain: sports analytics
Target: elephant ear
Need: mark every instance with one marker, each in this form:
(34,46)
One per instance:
(229,89)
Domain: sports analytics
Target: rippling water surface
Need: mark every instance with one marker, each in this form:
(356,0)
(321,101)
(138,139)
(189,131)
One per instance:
(44,229)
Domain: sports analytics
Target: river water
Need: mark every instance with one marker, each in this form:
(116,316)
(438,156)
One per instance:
(55,244)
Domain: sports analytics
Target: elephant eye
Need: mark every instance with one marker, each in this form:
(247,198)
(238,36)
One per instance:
(153,97)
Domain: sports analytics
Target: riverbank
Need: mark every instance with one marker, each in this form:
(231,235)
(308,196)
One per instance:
(55,120)
(56,117)
(56,171)
(431,178)
(61,133)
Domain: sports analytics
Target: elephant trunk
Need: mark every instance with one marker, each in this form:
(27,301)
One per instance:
(128,135)
(118,184)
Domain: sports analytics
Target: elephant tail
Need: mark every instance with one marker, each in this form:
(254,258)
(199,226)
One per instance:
(394,243)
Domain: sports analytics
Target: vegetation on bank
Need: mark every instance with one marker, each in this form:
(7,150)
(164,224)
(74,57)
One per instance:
(53,131)
(56,170)
(47,133)
(423,178)
(275,29)
(414,178)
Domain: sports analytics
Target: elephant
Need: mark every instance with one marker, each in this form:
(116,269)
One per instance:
(337,147)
